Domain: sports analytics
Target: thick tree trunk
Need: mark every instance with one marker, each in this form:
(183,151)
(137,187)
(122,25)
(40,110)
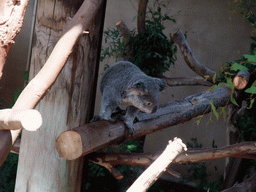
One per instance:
(69,102)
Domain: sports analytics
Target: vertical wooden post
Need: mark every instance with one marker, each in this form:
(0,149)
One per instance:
(68,104)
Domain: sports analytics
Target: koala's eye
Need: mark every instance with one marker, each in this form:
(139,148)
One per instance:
(148,104)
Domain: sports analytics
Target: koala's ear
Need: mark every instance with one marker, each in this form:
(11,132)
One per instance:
(140,85)
(136,91)
(162,84)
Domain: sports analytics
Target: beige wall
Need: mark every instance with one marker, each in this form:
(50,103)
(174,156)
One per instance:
(215,37)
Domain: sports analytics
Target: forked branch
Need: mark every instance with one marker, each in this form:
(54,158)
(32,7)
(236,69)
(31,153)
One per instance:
(189,58)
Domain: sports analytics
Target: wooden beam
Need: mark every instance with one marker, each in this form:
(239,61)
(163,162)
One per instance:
(97,135)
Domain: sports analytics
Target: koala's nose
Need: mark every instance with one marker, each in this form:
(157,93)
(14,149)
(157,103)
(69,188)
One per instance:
(154,109)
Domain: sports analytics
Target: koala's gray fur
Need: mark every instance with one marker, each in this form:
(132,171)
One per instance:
(125,83)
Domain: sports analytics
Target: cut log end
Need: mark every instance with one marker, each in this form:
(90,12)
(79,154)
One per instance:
(31,120)
(13,119)
(241,79)
(240,82)
(69,145)
(119,22)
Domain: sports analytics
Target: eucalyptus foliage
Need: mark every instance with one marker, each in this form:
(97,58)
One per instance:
(152,51)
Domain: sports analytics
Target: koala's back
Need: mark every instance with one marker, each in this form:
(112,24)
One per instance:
(120,76)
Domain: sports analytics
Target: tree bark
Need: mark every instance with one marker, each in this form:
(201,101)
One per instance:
(246,186)
(70,101)
(142,10)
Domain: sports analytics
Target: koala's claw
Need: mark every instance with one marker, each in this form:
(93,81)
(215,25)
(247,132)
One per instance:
(95,118)
(98,118)
(131,130)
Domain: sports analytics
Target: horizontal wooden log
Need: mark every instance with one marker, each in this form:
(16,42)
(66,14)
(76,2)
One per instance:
(11,119)
(97,135)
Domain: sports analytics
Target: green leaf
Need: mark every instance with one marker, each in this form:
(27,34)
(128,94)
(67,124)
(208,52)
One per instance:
(250,58)
(251,103)
(223,111)
(222,84)
(212,87)
(252,90)
(199,119)
(214,110)
(26,76)
(214,78)
(131,147)
(232,99)
(236,67)
(230,83)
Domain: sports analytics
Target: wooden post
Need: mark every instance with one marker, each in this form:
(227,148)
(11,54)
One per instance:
(69,102)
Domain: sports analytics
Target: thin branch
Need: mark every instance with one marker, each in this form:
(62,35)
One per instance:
(186,81)
(141,26)
(16,147)
(189,58)
(124,30)
(240,150)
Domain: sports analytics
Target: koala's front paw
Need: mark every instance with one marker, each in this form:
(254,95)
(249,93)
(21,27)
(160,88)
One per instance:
(129,124)
(95,118)
(98,118)
(112,120)
(130,129)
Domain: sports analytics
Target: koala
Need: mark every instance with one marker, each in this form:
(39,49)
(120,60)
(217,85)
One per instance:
(125,84)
